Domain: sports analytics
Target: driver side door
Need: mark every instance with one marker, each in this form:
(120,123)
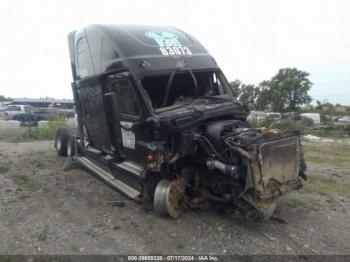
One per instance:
(129,130)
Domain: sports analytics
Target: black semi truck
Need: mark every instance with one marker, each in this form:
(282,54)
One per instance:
(157,121)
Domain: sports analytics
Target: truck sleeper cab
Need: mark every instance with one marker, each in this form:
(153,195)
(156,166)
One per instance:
(157,120)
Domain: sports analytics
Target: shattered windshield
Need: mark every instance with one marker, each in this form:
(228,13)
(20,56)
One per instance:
(181,88)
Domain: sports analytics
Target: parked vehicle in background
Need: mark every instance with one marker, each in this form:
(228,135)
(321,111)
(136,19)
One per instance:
(336,118)
(256,116)
(344,119)
(325,118)
(2,109)
(52,113)
(274,116)
(315,117)
(291,116)
(13,110)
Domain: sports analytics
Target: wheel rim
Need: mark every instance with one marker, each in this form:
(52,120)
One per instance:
(168,198)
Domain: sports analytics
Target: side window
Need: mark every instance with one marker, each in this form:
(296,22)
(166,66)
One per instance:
(84,64)
(126,97)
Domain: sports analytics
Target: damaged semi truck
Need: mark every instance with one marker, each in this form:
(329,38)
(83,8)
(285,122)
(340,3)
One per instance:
(157,121)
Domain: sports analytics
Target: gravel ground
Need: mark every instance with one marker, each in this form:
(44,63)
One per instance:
(46,210)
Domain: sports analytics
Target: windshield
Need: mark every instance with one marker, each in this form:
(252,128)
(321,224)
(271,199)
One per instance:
(185,86)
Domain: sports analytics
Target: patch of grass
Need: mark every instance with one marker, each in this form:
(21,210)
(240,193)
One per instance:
(333,159)
(294,201)
(24,181)
(150,219)
(54,194)
(331,200)
(5,167)
(23,196)
(179,244)
(314,159)
(10,200)
(74,248)
(33,133)
(39,164)
(336,133)
(337,154)
(326,186)
(91,232)
(41,152)
(42,233)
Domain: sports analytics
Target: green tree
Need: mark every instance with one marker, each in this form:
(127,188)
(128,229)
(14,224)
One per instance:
(288,89)
(4,99)
(264,96)
(235,86)
(318,105)
(249,95)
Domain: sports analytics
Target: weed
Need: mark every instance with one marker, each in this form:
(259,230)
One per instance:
(33,133)
(54,194)
(5,167)
(336,133)
(24,180)
(42,233)
(180,244)
(331,154)
(74,248)
(39,164)
(300,201)
(331,200)
(315,159)
(91,232)
(23,196)
(150,219)
(326,186)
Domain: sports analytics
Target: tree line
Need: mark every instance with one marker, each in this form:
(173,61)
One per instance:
(285,91)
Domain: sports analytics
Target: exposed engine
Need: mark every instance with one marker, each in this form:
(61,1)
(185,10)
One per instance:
(234,161)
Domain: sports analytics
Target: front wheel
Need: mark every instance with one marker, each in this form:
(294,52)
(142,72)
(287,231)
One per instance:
(169,197)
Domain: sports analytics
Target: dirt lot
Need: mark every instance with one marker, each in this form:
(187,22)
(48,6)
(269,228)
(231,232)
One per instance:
(46,210)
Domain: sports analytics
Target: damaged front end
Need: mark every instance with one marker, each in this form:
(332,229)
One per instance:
(206,151)
(230,163)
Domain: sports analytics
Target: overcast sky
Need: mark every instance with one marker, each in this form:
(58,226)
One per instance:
(249,39)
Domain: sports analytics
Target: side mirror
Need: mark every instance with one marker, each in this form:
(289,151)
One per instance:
(113,114)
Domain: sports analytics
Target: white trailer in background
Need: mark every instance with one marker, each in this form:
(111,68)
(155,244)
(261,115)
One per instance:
(313,116)
(256,116)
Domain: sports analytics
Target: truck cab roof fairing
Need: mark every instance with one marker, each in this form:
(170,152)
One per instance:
(156,48)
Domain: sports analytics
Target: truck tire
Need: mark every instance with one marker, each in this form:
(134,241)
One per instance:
(70,146)
(61,141)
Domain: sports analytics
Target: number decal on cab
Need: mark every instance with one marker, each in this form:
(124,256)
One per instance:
(175,50)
